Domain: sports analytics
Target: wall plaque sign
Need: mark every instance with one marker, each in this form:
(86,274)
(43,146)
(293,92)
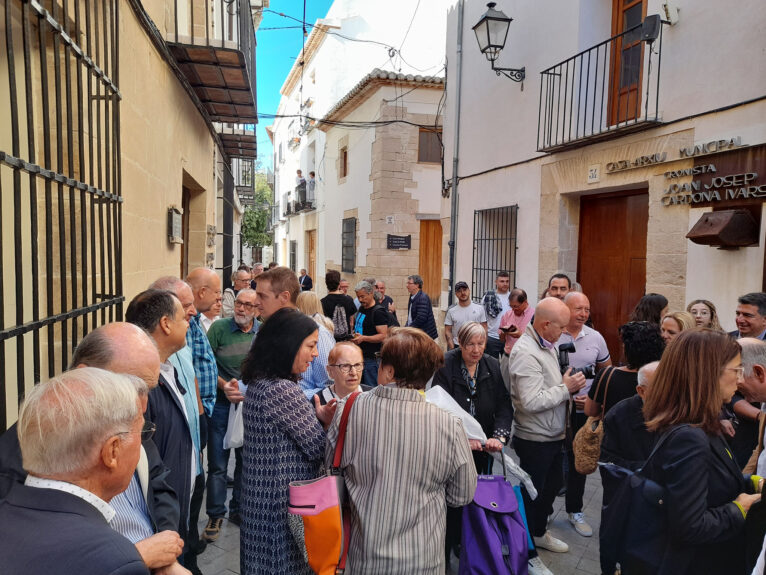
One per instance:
(398,242)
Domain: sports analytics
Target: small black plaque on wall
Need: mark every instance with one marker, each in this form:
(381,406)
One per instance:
(398,242)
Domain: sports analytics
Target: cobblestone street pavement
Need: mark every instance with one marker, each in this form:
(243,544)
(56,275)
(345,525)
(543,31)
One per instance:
(222,557)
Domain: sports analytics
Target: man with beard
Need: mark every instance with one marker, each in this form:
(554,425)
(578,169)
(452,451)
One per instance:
(230,339)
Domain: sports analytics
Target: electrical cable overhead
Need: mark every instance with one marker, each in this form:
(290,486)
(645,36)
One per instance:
(407,33)
(392,50)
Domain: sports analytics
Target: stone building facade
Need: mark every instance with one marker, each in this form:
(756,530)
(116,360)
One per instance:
(389,187)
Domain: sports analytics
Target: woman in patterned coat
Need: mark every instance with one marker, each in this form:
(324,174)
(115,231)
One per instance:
(284,441)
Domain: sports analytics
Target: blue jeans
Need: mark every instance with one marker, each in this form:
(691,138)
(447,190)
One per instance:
(370,373)
(218,463)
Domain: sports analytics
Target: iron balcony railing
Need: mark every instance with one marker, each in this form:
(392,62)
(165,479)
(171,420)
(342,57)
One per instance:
(213,42)
(610,88)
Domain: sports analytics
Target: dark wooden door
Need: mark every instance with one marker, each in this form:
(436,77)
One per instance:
(627,57)
(611,260)
(185,207)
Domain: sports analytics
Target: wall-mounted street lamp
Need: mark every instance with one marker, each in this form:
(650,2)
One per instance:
(491,32)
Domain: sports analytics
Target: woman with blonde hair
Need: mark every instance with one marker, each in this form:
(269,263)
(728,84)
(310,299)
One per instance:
(308,302)
(674,323)
(704,313)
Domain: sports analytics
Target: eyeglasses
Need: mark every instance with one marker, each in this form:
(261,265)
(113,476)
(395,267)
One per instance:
(146,432)
(347,367)
(740,371)
(249,306)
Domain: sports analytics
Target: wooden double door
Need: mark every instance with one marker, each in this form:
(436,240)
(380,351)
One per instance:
(611,260)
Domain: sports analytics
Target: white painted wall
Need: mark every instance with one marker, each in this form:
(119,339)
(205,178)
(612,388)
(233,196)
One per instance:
(336,67)
(354,192)
(715,56)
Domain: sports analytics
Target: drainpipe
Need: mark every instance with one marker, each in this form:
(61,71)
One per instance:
(456,150)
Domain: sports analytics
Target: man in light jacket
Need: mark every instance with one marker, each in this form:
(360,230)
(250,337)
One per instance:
(540,396)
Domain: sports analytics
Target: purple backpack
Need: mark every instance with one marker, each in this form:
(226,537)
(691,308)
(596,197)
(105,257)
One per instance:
(494,540)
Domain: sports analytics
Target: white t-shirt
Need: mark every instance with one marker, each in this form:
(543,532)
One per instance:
(493,323)
(457,315)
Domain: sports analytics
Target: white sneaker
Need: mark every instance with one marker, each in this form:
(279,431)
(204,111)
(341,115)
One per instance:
(581,526)
(537,567)
(549,542)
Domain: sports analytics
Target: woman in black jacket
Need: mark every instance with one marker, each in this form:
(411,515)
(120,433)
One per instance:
(706,495)
(473,380)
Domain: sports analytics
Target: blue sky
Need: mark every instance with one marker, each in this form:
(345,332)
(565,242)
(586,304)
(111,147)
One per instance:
(275,55)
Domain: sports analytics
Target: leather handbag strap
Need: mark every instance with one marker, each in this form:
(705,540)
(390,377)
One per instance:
(342,429)
(606,390)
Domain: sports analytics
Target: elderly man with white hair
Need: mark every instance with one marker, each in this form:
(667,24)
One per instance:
(626,441)
(80,437)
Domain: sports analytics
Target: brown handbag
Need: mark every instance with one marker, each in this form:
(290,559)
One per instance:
(587,441)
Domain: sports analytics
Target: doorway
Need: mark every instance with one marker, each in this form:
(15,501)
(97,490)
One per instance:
(611,259)
(430,258)
(311,255)
(185,208)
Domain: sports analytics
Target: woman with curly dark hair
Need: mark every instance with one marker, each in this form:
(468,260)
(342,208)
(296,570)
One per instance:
(643,344)
(652,308)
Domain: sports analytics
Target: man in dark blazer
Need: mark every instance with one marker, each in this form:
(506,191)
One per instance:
(57,522)
(419,311)
(120,348)
(305,281)
(161,315)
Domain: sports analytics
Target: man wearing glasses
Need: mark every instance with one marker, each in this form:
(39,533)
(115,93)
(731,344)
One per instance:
(230,338)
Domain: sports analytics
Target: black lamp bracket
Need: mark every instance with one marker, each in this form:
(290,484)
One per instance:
(515,74)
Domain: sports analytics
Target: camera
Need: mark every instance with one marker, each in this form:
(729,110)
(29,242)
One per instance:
(589,371)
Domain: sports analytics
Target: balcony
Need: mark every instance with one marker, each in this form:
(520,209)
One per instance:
(213,42)
(304,198)
(603,92)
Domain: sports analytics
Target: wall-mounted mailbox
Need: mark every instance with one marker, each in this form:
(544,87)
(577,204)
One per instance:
(726,229)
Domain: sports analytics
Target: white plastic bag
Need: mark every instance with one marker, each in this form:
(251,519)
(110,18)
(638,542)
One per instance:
(439,397)
(235,429)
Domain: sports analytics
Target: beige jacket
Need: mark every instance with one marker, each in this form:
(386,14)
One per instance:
(539,396)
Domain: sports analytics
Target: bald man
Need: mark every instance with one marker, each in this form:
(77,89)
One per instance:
(123,348)
(206,289)
(541,397)
(592,355)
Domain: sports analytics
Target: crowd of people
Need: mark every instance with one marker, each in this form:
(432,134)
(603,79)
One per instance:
(105,470)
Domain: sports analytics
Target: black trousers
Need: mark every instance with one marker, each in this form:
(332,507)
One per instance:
(494,347)
(192,537)
(575,481)
(542,460)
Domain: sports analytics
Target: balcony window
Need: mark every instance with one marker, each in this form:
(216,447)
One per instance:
(343,168)
(607,90)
